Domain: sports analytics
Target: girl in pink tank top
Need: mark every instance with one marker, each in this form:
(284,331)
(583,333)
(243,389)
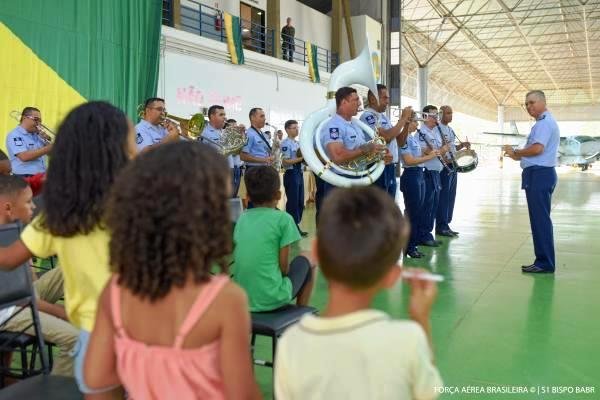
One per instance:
(167,328)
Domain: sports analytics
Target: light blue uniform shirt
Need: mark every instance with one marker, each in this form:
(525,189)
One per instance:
(450,137)
(214,136)
(413,148)
(256,146)
(148,134)
(545,132)
(432,136)
(18,141)
(369,117)
(289,149)
(338,130)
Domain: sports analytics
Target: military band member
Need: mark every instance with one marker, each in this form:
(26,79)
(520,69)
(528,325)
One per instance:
(342,139)
(293,178)
(150,130)
(258,149)
(412,185)
(539,179)
(27,150)
(374,115)
(430,140)
(448,178)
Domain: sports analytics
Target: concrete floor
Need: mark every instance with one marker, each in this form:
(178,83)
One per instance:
(493,325)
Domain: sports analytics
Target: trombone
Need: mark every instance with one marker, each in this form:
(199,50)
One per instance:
(44,133)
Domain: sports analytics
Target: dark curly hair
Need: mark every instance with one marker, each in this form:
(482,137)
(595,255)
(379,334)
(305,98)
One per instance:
(168,215)
(89,150)
(360,235)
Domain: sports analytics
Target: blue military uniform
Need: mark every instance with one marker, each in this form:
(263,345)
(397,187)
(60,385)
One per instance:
(337,130)
(387,180)
(539,180)
(258,145)
(293,180)
(148,134)
(412,185)
(18,141)
(432,183)
(448,179)
(212,136)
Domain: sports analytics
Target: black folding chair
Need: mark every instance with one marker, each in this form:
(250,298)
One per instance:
(16,289)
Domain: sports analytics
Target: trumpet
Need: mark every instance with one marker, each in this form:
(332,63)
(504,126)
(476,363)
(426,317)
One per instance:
(423,116)
(44,133)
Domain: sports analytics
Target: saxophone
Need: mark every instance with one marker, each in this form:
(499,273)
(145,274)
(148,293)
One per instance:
(276,153)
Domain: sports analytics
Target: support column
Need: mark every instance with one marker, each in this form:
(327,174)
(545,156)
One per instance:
(422,76)
(176,12)
(349,32)
(501,117)
(274,22)
(336,29)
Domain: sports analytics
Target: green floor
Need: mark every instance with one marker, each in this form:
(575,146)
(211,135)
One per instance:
(493,325)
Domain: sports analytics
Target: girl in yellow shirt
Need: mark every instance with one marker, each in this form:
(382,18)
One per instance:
(94,142)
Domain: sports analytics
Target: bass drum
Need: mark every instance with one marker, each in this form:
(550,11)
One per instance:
(466,160)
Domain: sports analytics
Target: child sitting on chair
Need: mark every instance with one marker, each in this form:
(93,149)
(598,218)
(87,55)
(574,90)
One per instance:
(351,351)
(166,328)
(262,239)
(16,205)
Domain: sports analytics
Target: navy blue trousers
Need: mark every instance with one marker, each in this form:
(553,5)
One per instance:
(387,180)
(412,186)
(319,194)
(430,203)
(293,182)
(539,183)
(445,207)
(236,178)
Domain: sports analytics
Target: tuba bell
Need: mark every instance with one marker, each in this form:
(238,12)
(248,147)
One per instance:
(357,71)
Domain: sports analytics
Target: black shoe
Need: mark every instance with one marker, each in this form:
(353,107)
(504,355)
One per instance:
(431,243)
(414,254)
(302,233)
(527,266)
(453,232)
(534,269)
(445,233)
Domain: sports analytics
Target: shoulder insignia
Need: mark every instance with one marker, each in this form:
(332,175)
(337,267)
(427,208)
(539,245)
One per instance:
(334,133)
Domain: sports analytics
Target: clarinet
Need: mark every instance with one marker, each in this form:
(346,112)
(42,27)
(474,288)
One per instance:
(444,141)
(428,143)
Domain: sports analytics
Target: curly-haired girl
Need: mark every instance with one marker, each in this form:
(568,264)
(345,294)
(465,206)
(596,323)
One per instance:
(166,327)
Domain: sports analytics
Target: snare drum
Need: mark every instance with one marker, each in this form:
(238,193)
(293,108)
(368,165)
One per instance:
(466,160)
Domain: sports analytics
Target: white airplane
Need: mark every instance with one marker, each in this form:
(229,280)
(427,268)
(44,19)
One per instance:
(580,151)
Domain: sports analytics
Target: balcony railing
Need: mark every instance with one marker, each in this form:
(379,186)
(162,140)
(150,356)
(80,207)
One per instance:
(207,22)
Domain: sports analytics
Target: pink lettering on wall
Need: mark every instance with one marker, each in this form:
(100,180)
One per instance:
(199,98)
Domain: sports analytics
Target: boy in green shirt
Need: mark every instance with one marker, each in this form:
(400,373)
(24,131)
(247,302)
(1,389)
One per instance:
(262,239)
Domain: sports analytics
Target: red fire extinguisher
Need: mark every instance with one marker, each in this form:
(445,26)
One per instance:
(218,21)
